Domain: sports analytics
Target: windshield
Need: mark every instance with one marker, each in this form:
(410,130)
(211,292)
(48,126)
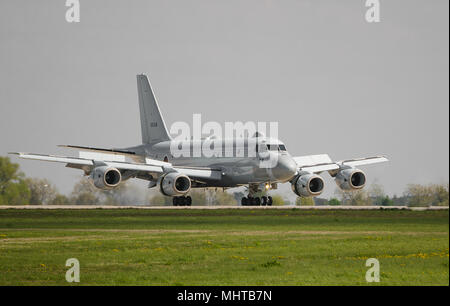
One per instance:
(274,147)
(271,147)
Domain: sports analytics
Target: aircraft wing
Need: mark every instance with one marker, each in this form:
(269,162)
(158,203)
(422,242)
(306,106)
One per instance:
(101,150)
(322,162)
(364,161)
(150,167)
(119,153)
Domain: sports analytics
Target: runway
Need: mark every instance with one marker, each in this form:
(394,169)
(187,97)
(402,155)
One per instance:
(284,207)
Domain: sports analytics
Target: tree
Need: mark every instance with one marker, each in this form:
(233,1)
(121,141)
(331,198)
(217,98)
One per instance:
(440,197)
(427,195)
(13,189)
(60,199)
(41,191)
(215,196)
(400,201)
(418,195)
(160,200)
(124,194)
(84,193)
(387,201)
(277,200)
(304,201)
(198,196)
(334,202)
(377,194)
(320,201)
(224,198)
(354,198)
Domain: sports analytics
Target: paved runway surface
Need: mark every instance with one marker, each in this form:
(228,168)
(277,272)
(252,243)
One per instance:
(219,207)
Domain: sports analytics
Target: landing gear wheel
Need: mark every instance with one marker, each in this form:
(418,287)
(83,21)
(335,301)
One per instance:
(181,201)
(257,201)
(244,201)
(264,201)
(269,200)
(251,201)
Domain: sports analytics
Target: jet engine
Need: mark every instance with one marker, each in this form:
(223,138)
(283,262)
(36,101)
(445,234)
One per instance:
(105,177)
(308,185)
(174,184)
(350,179)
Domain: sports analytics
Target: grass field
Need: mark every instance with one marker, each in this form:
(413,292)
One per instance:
(223,247)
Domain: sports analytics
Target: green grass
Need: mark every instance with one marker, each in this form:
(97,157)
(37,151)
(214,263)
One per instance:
(224,247)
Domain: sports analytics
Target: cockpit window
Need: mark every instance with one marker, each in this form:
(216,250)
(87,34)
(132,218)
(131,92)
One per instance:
(274,147)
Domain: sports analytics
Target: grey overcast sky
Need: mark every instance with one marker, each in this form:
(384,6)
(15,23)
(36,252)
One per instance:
(335,83)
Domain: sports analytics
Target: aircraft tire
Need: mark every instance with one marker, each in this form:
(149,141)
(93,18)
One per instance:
(269,200)
(257,201)
(264,201)
(251,201)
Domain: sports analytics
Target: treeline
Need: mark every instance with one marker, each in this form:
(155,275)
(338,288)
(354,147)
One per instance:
(415,196)
(17,189)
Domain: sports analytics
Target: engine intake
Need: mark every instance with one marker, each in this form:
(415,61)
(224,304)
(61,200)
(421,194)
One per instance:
(350,179)
(174,184)
(105,177)
(308,185)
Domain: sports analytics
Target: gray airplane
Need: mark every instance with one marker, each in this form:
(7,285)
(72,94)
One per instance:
(231,166)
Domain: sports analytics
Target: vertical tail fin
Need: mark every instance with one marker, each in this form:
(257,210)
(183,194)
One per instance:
(153,127)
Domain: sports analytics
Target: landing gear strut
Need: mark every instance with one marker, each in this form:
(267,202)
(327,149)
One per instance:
(182,201)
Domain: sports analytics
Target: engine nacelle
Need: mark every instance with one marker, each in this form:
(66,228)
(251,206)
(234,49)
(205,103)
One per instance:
(308,185)
(174,184)
(105,177)
(350,179)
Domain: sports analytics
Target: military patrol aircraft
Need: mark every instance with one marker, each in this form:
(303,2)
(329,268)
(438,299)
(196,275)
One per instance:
(175,176)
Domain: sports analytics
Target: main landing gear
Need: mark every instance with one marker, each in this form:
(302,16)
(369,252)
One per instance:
(255,201)
(254,189)
(182,201)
